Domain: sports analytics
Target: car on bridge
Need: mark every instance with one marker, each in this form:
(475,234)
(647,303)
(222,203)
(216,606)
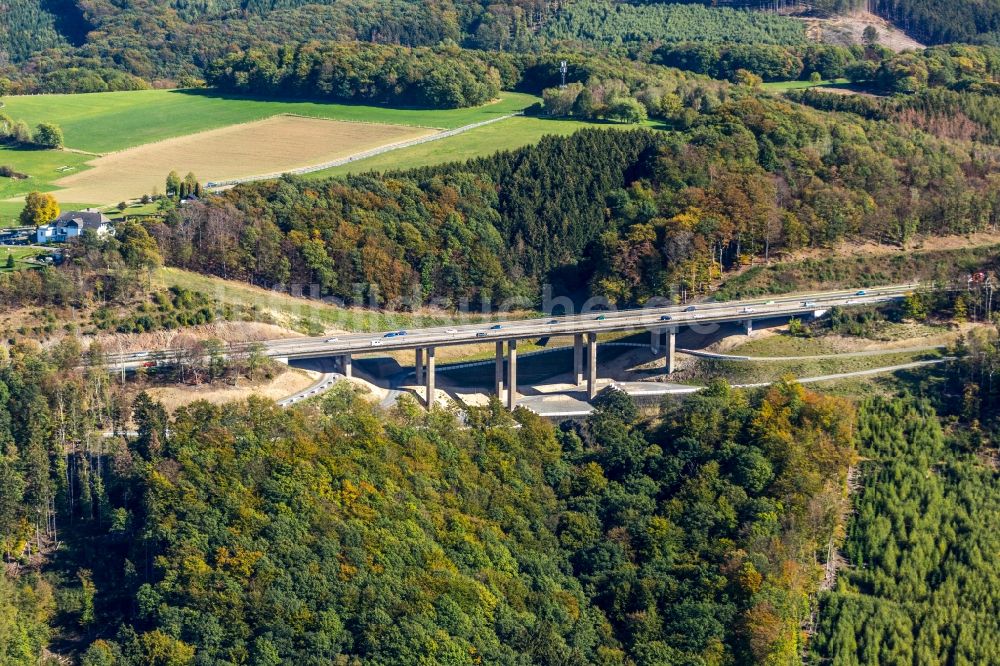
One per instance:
(747,310)
(333,339)
(808,304)
(452,331)
(481,334)
(690,308)
(376,343)
(495,327)
(601,317)
(860,292)
(665,318)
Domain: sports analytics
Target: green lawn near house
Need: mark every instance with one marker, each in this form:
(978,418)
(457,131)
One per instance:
(42,166)
(20,254)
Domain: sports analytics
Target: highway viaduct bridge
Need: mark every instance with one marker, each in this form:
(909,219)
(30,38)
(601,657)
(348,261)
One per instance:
(662,322)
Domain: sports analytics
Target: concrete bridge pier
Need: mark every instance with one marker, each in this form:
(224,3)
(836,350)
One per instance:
(418,365)
(654,341)
(591,366)
(671,347)
(748,326)
(430,378)
(578,359)
(511,374)
(345,364)
(498,371)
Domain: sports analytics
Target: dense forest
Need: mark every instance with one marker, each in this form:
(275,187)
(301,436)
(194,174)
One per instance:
(360,72)
(941,21)
(336,531)
(957,67)
(650,212)
(921,584)
(339,532)
(250,534)
(26,28)
(98,45)
(106,46)
(638,25)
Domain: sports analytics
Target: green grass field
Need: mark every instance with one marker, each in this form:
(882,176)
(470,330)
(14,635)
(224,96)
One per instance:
(43,167)
(782,86)
(104,122)
(506,135)
(19,254)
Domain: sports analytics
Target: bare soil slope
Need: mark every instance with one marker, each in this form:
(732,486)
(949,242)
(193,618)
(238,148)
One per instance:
(846,30)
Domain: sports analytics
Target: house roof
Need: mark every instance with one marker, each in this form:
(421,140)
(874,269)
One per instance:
(82,219)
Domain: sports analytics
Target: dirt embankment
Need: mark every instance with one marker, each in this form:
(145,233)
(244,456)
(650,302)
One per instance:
(226,331)
(848,29)
(286,383)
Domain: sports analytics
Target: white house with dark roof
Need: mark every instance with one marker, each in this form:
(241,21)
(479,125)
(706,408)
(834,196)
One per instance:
(72,224)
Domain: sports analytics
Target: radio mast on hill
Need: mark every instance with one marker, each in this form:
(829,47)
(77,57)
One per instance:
(562,70)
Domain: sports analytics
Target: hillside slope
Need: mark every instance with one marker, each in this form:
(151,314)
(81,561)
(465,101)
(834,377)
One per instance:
(26,28)
(943,21)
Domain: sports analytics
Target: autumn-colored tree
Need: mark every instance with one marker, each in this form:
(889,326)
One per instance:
(39,208)
(173,184)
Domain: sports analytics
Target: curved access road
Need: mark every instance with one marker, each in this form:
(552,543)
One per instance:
(815,357)
(567,405)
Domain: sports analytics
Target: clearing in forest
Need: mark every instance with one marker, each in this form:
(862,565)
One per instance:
(270,146)
(847,30)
